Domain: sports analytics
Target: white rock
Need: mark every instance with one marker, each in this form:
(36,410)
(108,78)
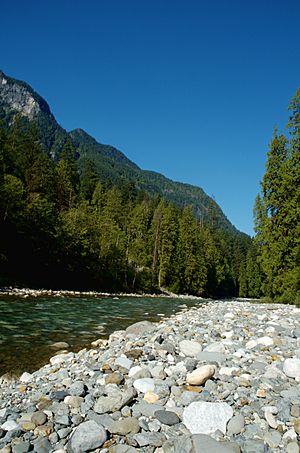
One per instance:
(266,341)
(200,375)
(9,425)
(134,370)
(251,344)
(215,347)
(190,348)
(291,368)
(228,371)
(144,385)
(26,377)
(206,418)
(124,362)
(229,315)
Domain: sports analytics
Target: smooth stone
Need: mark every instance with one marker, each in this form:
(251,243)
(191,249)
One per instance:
(122,449)
(151,397)
(200,375)
(9,425)
(73,401)
(107,403)
(87,436)
(140,328)
(203,443)
(42,446)
(77,388)
(21,447)
(265,341)
(129,425)
(291,368)
(272,439)
(190,348)
(251,344)
(144,385)
(124,362)
(292,447)
(215,347)
(235,425)
(152,439)
(206,356)
(167,417)
(202,417)
(134,353)
(114,378)
(39,418)
(25,378)
(60,345)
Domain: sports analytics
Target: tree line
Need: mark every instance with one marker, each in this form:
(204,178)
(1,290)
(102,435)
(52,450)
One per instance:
(277,213)
(62,226)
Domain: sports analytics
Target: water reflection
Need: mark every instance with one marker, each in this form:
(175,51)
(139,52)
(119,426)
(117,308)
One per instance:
(29,326)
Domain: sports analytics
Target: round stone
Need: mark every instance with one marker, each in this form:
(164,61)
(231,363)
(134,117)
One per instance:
(200,375)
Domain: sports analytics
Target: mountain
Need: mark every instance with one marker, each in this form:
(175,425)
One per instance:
(18,98)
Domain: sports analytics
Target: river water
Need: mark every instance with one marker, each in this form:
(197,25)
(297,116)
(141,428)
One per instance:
(29,326)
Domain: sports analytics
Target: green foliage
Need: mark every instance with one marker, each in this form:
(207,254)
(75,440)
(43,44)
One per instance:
(277,213)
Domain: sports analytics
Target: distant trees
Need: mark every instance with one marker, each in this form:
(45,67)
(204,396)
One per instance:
(277,213)
(62,226)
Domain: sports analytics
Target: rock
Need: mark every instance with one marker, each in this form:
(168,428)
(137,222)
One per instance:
(272,439)
(25,378)
(114,378)
(134,353)
(60,345)
(124,362)
(206,444)
(87,436)
(151,397)
(129,425)
(206,356)
(77,388)
(9,425)
(190,348)
(292,447)
(153,439)
(167,417)
(235,425)
(106,404)
(206,418)
(122,449)
(73,401)
(215,347)
(144,385)
(265,341)
(21,447)
(42,446)
(291,368)
(200,375)
(140,328)
(39,418)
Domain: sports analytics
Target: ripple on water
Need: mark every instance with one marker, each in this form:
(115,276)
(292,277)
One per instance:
(27,333)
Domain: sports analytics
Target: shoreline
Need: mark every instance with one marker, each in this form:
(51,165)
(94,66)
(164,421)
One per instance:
(29,292)
(151,387)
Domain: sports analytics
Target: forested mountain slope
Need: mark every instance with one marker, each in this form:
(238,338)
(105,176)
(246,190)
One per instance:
(18,98)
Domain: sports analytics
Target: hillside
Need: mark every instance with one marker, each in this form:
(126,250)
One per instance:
(18,98)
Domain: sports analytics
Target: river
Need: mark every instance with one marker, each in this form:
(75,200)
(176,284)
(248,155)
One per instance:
(28,327)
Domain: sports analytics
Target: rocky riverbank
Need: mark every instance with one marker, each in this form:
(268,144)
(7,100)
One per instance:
(220,378)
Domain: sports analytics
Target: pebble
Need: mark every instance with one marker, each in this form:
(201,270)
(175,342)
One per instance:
(221,378)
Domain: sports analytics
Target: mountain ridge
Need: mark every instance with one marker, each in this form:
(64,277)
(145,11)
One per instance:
(18,97)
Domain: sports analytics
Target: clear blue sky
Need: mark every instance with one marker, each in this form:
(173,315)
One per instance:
(190,89)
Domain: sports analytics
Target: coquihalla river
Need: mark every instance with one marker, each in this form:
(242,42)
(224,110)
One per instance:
(28,327)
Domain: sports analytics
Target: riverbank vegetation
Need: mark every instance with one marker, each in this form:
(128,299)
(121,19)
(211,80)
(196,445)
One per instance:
(61,227)
(277,214)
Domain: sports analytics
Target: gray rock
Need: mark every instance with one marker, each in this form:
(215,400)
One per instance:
(42,445)
(203,443)
(206,356)
(153,439)
(190,348)
(39,418)
(235,425)
(129,425)
(122,449)
(167,417)
(87,436)
(140,328)
(21,447)
(77,388)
